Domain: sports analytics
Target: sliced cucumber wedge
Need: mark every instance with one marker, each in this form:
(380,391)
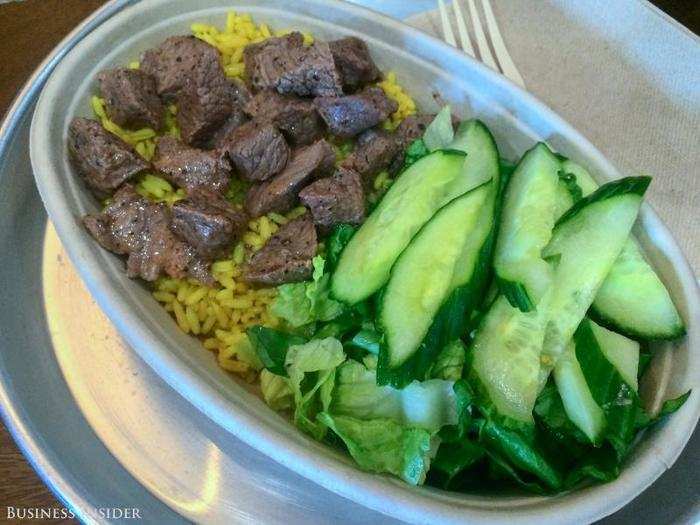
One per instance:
(506,358)
(527,220)
(632,300)
(585,244)
(412,200)
(421,279)
(577,398)
(623,353)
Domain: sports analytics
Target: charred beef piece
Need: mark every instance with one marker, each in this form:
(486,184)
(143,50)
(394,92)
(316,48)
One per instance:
(239,96)
(334,200)
(296,118)
(208,222)
(131,99)
(103,160)
(203,106)
(179,60)
(352,114)
(191,168)
(280,193)
(134,226)
(375,151)
(286,65)
(354,62)
(257,150)
(287,256)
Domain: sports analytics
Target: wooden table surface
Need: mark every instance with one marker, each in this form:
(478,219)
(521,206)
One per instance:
(30,29)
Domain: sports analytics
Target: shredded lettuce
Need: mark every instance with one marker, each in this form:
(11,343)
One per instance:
(311,370)
(383,445)
(276,390)
(450,361)
(300,304)
(271,347)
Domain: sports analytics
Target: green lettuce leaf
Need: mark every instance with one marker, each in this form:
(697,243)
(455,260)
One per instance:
(383,445)
(271,347)
(449,362)
(300,304)
(311,369)
(454,458)
(338,239)
(429,404)
(440,132)
(276,390)
(415,151)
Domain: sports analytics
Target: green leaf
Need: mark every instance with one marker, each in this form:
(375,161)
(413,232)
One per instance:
(453,458)
(271,347)
(383,445)
(367,339)
(338,239)
(300,304)
(429,404)
(311,370)
(450,361)
(440,132)
(276,390)
(669,407)
(415,151)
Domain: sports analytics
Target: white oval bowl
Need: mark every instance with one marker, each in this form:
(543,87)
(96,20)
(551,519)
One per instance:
(423,65)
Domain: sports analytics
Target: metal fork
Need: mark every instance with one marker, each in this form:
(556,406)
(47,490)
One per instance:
(502,62)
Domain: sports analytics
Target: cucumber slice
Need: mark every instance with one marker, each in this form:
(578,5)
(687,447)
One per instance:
(586,242)
(623,353)
(506,358)
(577,398)
(632,300)
(527,221)
(422,277)
(422,189)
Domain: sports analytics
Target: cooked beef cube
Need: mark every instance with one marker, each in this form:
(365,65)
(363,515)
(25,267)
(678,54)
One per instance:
(352,114)
(334,200)
(280,193)
(191,168)
(130,98)
(134,226)
(375,150)
(257,150)
(287,256)
(296,118)
(412,128)
(239,96)
(178,61)
(203,107)
(288,66)
(208,222)
(354,62)
(103,160)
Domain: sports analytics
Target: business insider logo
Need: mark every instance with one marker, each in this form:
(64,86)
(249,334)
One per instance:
(62,513)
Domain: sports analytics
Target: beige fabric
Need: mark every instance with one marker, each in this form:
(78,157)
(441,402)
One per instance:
(632,88)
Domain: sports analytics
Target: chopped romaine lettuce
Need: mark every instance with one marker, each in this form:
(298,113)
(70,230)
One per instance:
(439,133)
(450,361)
(276,390)
(271,347)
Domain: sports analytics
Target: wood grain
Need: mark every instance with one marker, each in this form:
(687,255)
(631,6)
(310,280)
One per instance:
(30,29)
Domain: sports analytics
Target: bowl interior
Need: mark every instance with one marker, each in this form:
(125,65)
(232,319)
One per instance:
(423,66)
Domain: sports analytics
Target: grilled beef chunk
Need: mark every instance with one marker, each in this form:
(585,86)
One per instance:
(191,168)
(375,151)
(334,200)
(352,114)
(130,98)
(132,225)
(287,256)
(280,193)
(104,160)
(354,62)
(203,106)
(412,128)
(178,61)
(288,66)
(208,222)
(257,150)
(296,118)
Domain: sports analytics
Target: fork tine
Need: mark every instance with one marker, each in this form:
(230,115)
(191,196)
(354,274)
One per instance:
(448,35)
(481,42)
(499,46)
(463,33)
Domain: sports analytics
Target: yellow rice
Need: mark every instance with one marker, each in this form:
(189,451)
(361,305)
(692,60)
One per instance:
(219,315)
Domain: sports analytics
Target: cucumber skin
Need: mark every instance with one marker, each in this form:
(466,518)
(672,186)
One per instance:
(624,186)
(516,294)
(599,317)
